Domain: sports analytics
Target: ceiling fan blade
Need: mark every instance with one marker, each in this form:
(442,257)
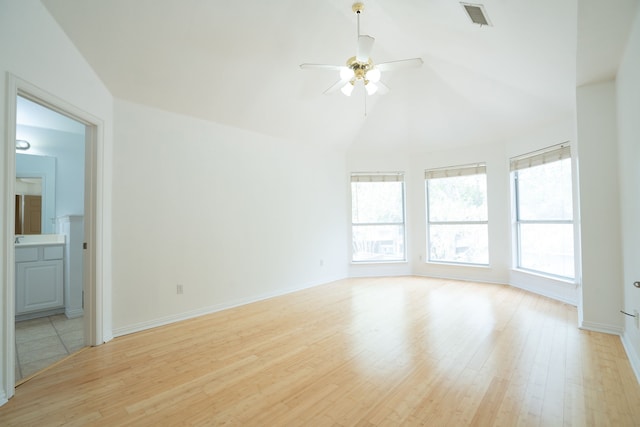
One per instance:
(365,44)
(335,87)
(403,63)
(322,67)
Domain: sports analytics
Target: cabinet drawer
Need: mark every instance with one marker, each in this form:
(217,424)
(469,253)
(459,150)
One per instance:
(26,254)
(52,252)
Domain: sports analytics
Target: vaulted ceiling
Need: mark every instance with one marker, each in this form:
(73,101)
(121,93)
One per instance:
(237,63)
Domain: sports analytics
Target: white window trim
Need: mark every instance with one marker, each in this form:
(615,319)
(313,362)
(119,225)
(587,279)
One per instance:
(546,155)
(449,172)
(381,177)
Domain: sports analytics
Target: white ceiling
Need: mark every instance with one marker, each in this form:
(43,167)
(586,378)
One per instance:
(237,63)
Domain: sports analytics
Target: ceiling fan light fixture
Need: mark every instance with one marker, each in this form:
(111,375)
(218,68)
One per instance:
(347,89)
(22,145)
(346,73)
(371,88)
(373,75)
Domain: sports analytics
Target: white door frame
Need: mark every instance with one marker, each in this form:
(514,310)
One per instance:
(92,287)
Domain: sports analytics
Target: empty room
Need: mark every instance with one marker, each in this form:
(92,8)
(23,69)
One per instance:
(340,213)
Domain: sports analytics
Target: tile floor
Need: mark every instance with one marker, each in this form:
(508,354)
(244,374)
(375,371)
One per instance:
(43,341)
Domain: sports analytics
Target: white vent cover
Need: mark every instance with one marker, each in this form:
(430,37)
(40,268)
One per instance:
(476,13)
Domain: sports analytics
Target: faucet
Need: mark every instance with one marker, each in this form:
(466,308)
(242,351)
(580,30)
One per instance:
(18,239)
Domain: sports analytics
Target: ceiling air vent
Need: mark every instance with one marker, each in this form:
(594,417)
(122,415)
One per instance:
(476,13)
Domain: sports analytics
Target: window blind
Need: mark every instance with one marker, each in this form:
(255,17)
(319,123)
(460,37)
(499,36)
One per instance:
(541,157)
(464,170)
(378,177)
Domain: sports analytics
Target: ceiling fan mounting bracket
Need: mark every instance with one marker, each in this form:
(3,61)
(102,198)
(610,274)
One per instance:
(357,7)
(359,68)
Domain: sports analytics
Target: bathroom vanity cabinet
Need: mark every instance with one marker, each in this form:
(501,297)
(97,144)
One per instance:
(39,278)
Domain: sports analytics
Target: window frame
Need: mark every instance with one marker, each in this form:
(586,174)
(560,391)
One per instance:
(451,172)
(380,177)
(547,155)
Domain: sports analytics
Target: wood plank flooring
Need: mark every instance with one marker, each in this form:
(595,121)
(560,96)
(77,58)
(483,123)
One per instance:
(357,352)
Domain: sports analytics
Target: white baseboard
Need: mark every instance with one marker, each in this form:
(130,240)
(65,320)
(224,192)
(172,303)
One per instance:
(460,279)
(106,337)
(634,359)
(532,289)
(72,314)
(601,327)
(546,293)
(142,326)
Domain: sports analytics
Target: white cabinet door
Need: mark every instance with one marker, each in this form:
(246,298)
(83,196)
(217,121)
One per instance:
(39,286)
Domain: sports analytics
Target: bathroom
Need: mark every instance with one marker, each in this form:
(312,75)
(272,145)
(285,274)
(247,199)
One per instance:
(49,229)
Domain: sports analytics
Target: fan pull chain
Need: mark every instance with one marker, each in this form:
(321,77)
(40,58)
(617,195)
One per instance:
(365,103)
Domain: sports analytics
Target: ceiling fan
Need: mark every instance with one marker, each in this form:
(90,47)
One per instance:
(360,68)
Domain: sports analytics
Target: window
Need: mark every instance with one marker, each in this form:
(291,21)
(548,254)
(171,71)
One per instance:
(377,212)
(457,219)
(544,211)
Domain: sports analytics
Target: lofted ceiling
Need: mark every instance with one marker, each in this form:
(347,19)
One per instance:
(237,63)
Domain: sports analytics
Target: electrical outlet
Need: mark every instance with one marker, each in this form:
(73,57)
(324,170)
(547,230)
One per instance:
(637,318)
(179,289)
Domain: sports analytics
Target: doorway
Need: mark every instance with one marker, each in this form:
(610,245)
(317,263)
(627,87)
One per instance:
(49,312)
(78,221)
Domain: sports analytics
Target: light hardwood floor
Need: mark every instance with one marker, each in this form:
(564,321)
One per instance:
(366,352)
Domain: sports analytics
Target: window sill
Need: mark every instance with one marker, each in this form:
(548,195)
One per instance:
(546,276)
(458,264)
(377,262)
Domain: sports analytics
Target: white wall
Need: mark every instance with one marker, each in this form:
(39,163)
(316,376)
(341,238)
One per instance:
(231,215)
(599,207)
(628,105)
(36,50)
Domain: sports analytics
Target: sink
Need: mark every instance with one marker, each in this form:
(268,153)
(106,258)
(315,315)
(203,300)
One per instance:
(39,239)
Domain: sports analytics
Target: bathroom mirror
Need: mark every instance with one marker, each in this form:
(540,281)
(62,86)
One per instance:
(28,205)
(35,174)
